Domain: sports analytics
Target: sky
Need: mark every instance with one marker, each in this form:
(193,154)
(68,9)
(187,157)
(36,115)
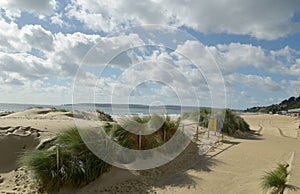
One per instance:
(229,53)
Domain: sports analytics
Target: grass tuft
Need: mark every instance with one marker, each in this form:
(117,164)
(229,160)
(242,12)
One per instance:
(78,165)
(104,117)
(275,180)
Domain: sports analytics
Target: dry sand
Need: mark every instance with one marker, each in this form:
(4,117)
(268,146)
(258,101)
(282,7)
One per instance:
(234,166)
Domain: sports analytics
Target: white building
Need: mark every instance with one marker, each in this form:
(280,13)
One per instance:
(294,112)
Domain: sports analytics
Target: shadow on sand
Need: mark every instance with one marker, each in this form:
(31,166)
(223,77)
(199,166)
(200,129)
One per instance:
(252,135)
(173,174)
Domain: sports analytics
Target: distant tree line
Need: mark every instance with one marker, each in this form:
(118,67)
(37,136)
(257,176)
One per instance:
(291,103)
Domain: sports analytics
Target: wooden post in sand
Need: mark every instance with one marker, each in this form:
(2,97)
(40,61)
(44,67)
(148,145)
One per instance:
(197,133)
(140,140)
(57,157)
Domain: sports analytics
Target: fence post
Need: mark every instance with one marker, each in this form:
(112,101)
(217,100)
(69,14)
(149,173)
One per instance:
(57,157)
(106,145)
(208,132)
(140,140)
(197,133)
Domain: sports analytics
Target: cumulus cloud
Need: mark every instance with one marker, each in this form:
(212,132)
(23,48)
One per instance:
(235,55)
(29,53)
(293,86)
(26,65)
(37,37)
(228,58)
(70,50)
(263,83)
(11,78)
(24,39)
(57,19)
(10,40)
(261,19)
(13,8)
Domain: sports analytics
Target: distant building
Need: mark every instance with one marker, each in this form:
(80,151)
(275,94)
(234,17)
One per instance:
(283,112)
(294,112)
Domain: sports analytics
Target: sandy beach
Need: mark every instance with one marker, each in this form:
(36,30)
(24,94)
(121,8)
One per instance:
(235,165)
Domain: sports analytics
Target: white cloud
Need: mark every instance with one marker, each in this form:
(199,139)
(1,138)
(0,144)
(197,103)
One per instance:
(293,87)
(23,40)
(235,55)
(57,19)
(13,8)
(287,53)
(261,19)
(10,40)
(65,52)
(26,65)
(70,50)
(59,55)
(263,83)
(8,78)
(26,93)
(37,37)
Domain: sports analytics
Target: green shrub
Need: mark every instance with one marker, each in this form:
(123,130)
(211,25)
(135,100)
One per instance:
(78,165)
(201,116)
(104,117)
(164,129)
(53,109)
(43,164)
(233,123)
(275,180)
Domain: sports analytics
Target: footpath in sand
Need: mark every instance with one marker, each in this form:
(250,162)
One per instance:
(240,163)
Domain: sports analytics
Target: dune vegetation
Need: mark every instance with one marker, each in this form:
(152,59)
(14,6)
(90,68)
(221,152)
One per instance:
(231,122)
(164,128)
(77,164)
(104,116)
(275,180)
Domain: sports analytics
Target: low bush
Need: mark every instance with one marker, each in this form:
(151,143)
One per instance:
(77,166)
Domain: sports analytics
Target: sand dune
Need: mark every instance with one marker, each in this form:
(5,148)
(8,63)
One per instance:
(14,143)
(233,166)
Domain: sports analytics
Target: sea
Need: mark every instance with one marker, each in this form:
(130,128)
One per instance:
(112,109)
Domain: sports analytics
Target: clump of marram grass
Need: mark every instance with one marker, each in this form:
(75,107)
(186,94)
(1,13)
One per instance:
(104,116)
(275,180)
(201,116)
(231,122)
(53,109)
(77,166)
(164,128)
(2,114)
(43,165)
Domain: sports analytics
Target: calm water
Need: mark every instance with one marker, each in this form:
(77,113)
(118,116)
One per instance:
(117,110)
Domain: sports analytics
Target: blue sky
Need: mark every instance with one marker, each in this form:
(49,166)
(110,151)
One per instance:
(235,54)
